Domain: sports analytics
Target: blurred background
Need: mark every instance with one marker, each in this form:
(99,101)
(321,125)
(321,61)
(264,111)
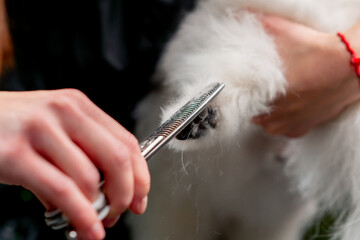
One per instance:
(106,48)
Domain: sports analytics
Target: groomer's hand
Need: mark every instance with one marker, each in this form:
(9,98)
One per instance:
(54,142)
(321,82)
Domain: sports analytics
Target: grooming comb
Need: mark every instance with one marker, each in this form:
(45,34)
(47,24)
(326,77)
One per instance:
(169,129)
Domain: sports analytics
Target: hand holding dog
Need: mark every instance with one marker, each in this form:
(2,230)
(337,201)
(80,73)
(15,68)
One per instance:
(54,142)
(321,82)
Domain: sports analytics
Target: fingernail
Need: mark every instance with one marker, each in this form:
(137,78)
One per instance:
(110,222)
(141,207)
(97,231)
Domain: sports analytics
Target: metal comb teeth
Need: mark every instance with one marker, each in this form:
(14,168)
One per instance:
(180,119)
(186,111)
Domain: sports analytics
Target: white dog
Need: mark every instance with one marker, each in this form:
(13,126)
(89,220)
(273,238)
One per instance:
(229,179)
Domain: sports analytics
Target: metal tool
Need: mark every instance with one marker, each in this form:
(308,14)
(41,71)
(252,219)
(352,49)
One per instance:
(169,129)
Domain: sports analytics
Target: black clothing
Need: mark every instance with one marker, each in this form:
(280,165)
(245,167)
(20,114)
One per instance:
(106,48)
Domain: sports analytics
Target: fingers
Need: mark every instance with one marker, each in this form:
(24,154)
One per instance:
(51,142)
(142,186)
(70,139)
(273,23)
(53,186)
(114,159)
(139,165)
(279,124)
(118,157)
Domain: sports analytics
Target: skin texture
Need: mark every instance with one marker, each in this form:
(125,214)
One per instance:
(54,142)
(321,82)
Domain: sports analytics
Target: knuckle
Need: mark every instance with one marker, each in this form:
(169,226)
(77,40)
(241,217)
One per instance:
(66,99)
(61,103)
(35,121)
(133,141)
(14,147)
(121,157)
(72,93)
(36,127)
(12,152)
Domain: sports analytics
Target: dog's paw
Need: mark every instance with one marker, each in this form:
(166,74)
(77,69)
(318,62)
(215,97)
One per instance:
(206,120)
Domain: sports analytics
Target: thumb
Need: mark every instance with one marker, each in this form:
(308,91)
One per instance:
(275,24)
(271,22)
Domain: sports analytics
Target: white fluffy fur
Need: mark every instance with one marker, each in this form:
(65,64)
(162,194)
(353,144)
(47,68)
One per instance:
(230,184)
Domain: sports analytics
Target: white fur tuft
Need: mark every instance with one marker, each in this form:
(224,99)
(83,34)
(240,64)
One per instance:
(236,181)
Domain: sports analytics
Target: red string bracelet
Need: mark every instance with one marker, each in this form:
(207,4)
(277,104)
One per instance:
(355,61)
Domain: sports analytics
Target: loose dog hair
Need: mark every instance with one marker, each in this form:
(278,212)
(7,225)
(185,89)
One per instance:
(236,181)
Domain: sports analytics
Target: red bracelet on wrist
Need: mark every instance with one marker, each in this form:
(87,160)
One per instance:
(355,61)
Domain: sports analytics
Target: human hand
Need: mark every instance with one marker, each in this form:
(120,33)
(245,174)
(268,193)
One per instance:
(321,82)
(54,142)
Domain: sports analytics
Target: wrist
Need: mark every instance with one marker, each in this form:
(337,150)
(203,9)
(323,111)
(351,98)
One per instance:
(353,37)
(351,45)
(338,60)
(354,60)
(350,39)
(347,88)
